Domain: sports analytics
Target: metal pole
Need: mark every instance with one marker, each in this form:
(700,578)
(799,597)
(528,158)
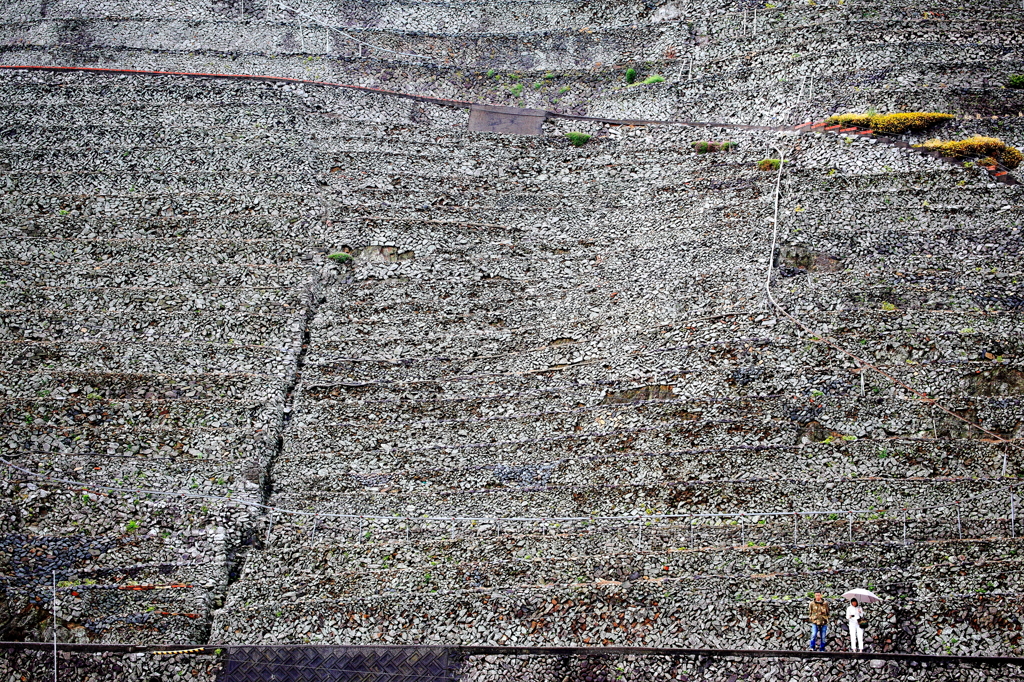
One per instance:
(849,518)
(270,527)
(743,538)
(55,626)
(796,522)
(959,528)
(691,532)
(1013,514)
(639,533)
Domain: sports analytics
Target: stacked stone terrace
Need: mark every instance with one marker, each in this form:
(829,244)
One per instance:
(744,62)
(527,333)
(592,339)
(155,299)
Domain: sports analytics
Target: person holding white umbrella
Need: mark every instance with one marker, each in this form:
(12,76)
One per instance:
(855,616)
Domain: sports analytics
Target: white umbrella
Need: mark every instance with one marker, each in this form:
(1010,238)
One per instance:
(862,596)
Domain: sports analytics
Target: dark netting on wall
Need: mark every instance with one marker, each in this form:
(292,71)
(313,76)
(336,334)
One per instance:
(336,664)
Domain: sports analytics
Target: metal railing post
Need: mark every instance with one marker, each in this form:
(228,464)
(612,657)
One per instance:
(55,626)
(1013,514)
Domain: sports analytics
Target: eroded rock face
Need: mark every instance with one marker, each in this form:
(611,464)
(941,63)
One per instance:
(795,259)
(375,253)
(546,399)
(632,395)
(999,381)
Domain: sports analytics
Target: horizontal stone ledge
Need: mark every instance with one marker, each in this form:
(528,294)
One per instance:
(464,650)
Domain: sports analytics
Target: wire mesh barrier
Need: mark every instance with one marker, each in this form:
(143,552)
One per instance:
(952,521)
(337,664)
(425,664)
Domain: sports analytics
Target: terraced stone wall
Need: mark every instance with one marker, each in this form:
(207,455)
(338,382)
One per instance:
(745,63)
(545,399)
(507,341)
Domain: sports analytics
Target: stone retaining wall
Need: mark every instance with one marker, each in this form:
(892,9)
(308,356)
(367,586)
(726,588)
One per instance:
(521,329)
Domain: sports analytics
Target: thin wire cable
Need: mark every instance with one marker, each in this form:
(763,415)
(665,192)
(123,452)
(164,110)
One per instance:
(387,592)
(347,35)
(379,517)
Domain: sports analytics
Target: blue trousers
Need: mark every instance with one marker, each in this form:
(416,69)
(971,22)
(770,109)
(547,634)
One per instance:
(818,633)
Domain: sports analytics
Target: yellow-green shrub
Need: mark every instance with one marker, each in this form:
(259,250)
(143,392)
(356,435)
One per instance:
(977,146)
(892,124)
(859,120)
(1011,157)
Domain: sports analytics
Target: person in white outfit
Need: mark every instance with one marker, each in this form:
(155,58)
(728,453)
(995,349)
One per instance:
(854,612)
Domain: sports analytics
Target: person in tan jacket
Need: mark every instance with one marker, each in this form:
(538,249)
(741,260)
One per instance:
(818,615)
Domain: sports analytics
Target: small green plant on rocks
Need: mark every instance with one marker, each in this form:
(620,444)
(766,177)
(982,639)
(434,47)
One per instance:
(516,89)
(341,257)
(1016,81)
(768,164)
(655,78)
(577,139)
(705,147)
(630,76)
